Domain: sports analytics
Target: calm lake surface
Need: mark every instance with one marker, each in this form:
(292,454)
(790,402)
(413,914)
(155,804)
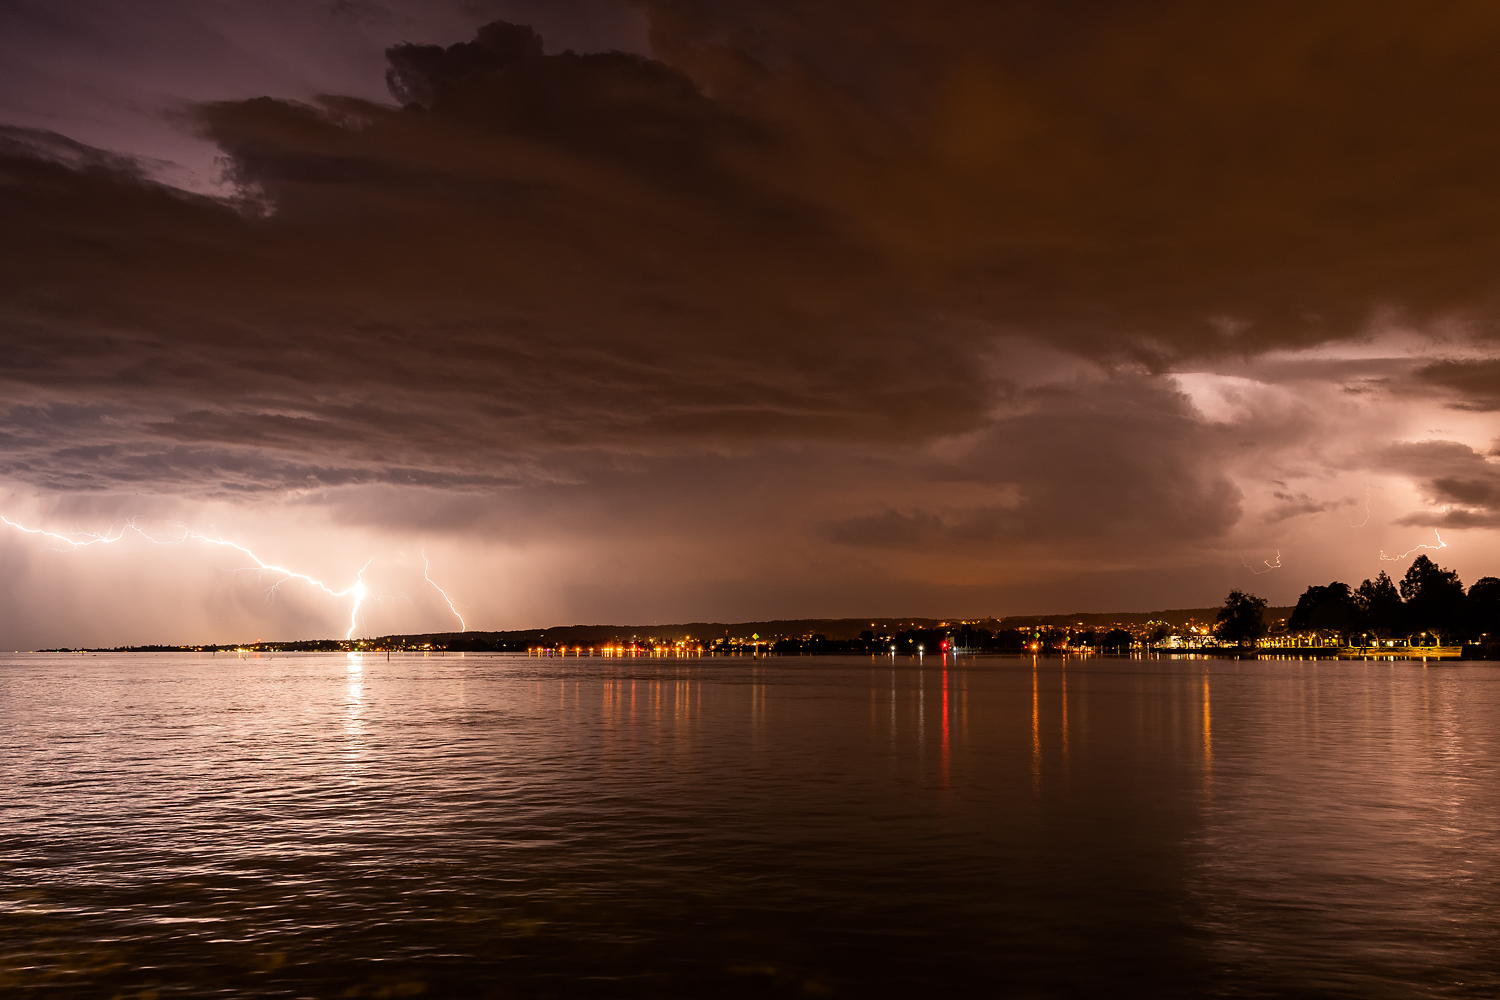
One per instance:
(506,826)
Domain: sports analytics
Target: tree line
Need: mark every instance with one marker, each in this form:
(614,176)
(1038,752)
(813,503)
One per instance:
(1429,600)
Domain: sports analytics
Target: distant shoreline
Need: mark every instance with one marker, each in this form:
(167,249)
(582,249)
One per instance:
(1469,654)
(770,629)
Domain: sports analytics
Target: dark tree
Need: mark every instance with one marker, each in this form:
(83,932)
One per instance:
(1051,638)
(1242,619)
(1332,608)
(1116,639)
(1302,614)
(1434,597)
(971,637)
(1384,613)
(1482,611)
(1011,639)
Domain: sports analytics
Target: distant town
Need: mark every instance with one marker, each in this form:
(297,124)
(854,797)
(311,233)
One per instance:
(1429,614)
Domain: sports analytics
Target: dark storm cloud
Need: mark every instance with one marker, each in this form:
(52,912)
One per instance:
(1100,462)
(799,226)
(457,292)
(1290,505)
(1471,385)
(1452,476)
(1214,177)
(417,71)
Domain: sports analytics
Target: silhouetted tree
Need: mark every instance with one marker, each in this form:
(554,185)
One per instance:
(1242,619)
(1482,608)
(1116,639)
(1332,608)
(974,638)
(1384,613)
(1301,617)
(1012,639)
(1434,597)
(1051,638)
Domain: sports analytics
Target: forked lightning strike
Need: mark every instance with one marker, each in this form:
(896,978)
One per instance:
(357,590)
(426,565)
(1264,562)
(1440,545)
(70,542)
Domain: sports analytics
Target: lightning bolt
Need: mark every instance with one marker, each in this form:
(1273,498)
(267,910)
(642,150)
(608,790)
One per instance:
(1367,507)
(462,625)
(357,591)
(1264,562)
(70,542)
(1440,545)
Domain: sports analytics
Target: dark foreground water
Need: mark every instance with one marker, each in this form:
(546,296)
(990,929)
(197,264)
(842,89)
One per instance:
(502,826)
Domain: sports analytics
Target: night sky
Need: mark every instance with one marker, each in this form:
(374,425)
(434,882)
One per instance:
(690,310)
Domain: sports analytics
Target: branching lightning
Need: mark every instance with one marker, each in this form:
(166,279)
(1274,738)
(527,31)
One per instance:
(1440,545)
(356,591)
(426,565)
(1264,562)
(71,543)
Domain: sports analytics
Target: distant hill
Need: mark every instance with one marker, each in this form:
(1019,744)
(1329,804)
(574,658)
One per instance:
(831,628)
(1178,617)
(592,635)
(836,629)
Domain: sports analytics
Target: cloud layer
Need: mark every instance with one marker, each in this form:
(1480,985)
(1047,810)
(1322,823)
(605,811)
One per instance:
(872,304)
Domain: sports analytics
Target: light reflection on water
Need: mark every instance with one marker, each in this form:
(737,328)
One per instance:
(354,725)
(325,825)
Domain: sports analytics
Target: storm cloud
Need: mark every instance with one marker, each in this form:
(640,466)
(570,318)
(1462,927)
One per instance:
(1034,289)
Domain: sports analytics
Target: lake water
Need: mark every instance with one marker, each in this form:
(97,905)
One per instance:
(506,826)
